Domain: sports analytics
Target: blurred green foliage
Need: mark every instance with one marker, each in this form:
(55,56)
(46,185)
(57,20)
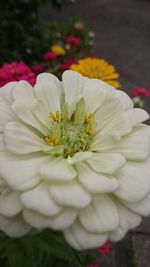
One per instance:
(20,37)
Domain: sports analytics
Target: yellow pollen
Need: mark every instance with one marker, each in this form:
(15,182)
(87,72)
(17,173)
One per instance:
(89,130)
(52,141)
(88,118)
(55,116)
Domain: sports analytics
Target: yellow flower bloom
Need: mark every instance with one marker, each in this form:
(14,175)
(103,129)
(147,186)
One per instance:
(58,50)
(98,69)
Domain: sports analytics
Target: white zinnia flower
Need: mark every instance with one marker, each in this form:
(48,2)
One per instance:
(74,156)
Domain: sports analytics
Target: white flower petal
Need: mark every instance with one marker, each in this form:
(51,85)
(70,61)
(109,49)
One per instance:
(39,200)
(135,146)
(109,110)
(10,204)
(63,220)
(100,216)
(35,219)
(41,113)
(125,100)
(137,115)
(50,95)
(57,169)
(94,93)
(21,140)
(14,227)
(119,124)
(94,182)
(60,222)
(106,162)
(2,145)
(127,220)
(70,194)
(72,85)
(24,112)
(79,156)
(5,92)
(134,180)
(80,239)
(103,142)
(141,207)
(20,173)
(6,112)
(23,90)
(47,77)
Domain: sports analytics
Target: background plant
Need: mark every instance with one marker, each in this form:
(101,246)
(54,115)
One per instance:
(19,29)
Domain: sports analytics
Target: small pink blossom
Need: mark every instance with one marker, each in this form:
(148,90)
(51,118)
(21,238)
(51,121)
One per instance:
(16,71)
(49,56)
(140,91)
(73,40)
(105,249)
(66,65)
(37,68)
(79,25)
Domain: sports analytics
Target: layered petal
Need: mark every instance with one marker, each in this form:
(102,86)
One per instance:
(94,93)
(72,83)
(141,207)
(57,170)
(21,140)
(136,145)
(100,216)
(49,93)
(23,90)
(95,182)
(39,199)
(137,116)
(106,162)
(60,222)
(24,113)
(127,220)
(10,204)
(134,181)
(70,194)
(15,226)
(79,238)
(22,173)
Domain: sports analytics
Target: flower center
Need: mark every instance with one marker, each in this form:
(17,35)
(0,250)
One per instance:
(70,135)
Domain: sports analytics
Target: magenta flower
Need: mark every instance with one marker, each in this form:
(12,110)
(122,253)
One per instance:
(105,249)
(49,56)
(140,91)
(16,71)
(37,68)
(66,65)
(73,40)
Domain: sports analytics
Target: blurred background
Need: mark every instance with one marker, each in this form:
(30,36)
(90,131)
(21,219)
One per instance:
(111,36)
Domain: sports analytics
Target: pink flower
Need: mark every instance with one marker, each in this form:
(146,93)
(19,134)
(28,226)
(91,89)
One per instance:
(79,25)
(16,71)
(140,91)
(49,56)
(105,249)
(73,40)
(37,68)
(66,65)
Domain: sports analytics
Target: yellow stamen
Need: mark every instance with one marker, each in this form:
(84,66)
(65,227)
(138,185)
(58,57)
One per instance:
(55,116)
(52,141)
(88,118)
(89,130)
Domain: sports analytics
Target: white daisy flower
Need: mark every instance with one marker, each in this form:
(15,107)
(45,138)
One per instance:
(74,156)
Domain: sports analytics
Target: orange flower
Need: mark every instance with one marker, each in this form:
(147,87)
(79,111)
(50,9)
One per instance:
(98,69)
